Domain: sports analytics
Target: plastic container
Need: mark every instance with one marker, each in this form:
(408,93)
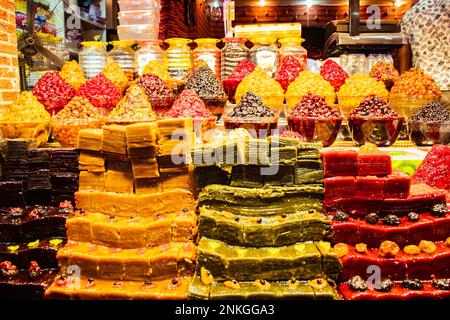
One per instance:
(429,133)
(234,52)
(123,55)
(148,51)
(208,52)
(138,32)
(66,132)
(292,46)
(139,17)
(258,127)
(324,130)
(35,130)
(131,5)
(383,132)
(264,54)
(92,58)
(179,57)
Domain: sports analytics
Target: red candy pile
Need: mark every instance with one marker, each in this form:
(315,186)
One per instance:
(334,74)
(292,134)
(100,92)
(313,106)
(289,70)
(243,69)
(53,92)
(188,105)
(435,168)
(373,106)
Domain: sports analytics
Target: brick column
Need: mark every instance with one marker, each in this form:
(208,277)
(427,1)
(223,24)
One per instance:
(9,70)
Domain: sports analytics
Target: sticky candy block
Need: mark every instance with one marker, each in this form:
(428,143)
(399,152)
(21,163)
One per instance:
(340,187)
(340,163)
(370,188)
(397,185)
(374,164)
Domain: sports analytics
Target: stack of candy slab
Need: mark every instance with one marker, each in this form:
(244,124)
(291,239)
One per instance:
(135,236)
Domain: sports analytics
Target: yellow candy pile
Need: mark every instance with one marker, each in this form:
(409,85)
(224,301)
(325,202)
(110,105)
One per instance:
(117,76)
(358,86)
(415,83)
(160,69)
(133,106)
(313,82)
(26,108)
(73,74)
(261,84)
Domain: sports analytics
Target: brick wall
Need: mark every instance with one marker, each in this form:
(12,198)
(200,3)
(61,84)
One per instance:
(9,71)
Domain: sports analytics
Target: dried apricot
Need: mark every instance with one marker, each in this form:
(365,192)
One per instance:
(232,284)
(427,246)
(388,249)
(411,249)
(341,249)
(361,247)
(206,276)
(263,284)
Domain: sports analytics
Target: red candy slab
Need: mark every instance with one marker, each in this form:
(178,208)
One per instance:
(369,188)
(397,185)
(374,164)
(340,163)
(397,293)
(340,187)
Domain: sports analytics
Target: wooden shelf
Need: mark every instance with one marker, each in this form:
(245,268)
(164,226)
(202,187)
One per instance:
(93,24)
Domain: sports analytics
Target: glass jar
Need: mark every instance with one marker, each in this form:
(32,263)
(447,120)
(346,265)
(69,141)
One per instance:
(234,52)
(208,52)
(149,50)
(123,55)
(292,46)
(264,54)
(179,57)
(92,58)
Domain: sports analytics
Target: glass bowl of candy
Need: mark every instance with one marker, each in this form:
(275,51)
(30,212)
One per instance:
(406,107)
(323,130)
(381,131)
(428,133)
(258,127)
(66,131)
(215,104)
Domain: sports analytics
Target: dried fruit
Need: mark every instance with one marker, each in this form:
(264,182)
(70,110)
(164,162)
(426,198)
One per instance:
(189,105)
(34,271)
(206,276)
(391,220)
(53,91)
(412,284)
(361,247)
(388,249)
(101,92)
(431,112)
(205,83)
(233,284)
(288,71)
(415,83)
(251,105)
(73,74)
(373,106)
(311,82)
(118,77)
(372,218)
(262,284)
(413,217)
(439,210)
(427,246)
(25,108)
(333,73)
(441,284)
(358,86)
(340,216)
(261,84)
(356,283)
(384,285)
(7,269)
(313,106)
(385,72)
(411,249)
(341,249)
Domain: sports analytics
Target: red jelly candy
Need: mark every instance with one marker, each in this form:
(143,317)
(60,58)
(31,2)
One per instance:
(230,84)
(189,105)
(374,163)
(435,168)
(333,73)
(101,92)
(289,70)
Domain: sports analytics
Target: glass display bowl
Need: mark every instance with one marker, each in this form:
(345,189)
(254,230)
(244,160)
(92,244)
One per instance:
(429,133)
(383,132)
(406,107)
(258,127)
(36,130)
(323,130)
(66,132)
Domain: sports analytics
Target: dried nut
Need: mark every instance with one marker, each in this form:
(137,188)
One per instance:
(318,284)
(411,249)
(233,284)
(341,249)
(263,284)
(427,246)
(206,276)
(389,249)
(361,247)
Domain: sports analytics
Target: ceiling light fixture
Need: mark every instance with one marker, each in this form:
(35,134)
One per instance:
(262,3)
(309,3)
(398,3)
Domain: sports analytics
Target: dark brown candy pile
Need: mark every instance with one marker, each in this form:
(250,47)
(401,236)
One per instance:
(432,111)
(251,105)
(373,106)
(206,84)
(153,86)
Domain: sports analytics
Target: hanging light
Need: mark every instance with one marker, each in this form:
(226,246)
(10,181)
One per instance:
(398,3)
(262,3)
(309,3)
